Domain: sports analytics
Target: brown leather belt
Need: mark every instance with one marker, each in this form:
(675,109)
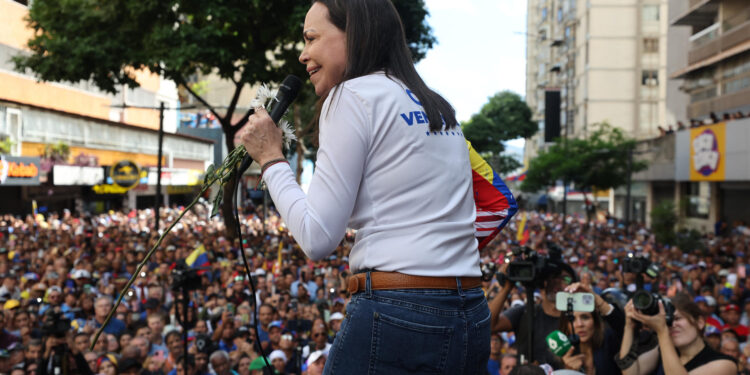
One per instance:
(394,280)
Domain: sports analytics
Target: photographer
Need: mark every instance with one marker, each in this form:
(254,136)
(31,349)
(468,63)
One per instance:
(60,353)
(681,348)
(599,332)
(546,315)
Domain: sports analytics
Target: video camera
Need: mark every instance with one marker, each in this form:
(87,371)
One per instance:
(185,278)
(55,324)
(530,267)
(644,301)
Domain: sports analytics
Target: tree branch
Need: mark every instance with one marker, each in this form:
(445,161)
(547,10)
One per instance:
(203,101)
(235,98)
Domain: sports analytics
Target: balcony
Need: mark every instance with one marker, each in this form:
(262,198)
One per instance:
(718,42)
(704,44)
(701,14)
(719,104)
(735,29)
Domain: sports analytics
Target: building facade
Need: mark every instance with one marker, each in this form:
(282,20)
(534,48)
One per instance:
(97,128)
(704,168)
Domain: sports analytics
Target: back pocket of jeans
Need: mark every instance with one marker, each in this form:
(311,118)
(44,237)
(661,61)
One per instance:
(400,346)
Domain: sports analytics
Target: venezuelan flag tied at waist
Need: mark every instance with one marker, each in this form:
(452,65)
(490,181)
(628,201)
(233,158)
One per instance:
(198,258)
(494,201)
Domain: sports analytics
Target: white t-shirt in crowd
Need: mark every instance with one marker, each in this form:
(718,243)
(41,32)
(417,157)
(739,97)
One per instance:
(407,190)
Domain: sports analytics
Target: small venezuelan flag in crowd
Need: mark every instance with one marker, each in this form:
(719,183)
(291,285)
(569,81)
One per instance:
(198,258)
(494,201)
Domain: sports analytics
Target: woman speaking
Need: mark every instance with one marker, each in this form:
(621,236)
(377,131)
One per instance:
(392,164)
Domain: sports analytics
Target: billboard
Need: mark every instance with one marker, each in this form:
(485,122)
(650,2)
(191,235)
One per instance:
(708,157)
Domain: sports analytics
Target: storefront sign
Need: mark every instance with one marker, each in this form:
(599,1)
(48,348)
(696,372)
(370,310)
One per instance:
(175,176)
(75,175)
(109,189)
(19,171)
(125,174)
(708,153)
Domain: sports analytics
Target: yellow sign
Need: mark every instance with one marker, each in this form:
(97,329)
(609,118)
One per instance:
(125,174)
(109,189)
(708,153)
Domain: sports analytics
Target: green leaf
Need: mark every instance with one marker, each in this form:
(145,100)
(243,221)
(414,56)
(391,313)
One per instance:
(217,202)
(209,174)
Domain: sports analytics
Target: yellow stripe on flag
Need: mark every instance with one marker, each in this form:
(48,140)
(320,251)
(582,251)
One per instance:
(479,165)
(521,227)
(195,254)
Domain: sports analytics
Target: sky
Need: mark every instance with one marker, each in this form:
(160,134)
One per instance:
(481,50)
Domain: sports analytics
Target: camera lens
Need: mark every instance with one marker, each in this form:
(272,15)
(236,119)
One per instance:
(645,302)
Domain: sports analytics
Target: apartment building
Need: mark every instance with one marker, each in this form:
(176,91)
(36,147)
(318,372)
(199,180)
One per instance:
(607,61)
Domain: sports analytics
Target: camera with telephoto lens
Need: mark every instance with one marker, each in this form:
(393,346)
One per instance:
(532,267)
(55,324)
(643,300)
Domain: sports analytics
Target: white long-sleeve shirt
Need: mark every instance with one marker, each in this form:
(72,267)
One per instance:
(379,169)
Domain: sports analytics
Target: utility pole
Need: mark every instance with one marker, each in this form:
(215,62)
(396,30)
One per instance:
(157,205)
(627,193)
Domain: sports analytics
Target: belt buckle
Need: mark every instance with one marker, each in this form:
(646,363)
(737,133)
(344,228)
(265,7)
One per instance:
(353,286)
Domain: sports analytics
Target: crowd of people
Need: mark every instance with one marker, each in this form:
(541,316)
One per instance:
(62,273)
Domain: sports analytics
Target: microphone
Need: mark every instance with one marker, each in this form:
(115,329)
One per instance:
(558,343)
(286,95)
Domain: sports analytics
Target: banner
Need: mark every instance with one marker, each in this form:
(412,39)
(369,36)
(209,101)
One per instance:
(708,153)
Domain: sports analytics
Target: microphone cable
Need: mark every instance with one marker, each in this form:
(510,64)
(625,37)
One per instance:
(238,228)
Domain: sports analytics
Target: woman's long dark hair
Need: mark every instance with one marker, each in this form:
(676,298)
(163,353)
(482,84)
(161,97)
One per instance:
(374,30)
(597,338)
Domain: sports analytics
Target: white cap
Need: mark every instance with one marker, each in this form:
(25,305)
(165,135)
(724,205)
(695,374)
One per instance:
(277,354)
(336,316)
(517,302)
(81,273)
(314,356)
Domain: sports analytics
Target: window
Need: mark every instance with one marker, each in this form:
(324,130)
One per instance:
(650,45)
(699,197)
(559,14)
(649,78)
(544,14)
(14,128)
(650,13)
(567,32)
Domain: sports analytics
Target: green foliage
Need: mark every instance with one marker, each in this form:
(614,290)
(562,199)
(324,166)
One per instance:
(418,32)
(599,161)
(503,164)
(663,221)
(5,145)
(58,152)
(504,117)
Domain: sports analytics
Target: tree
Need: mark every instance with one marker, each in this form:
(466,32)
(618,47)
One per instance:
(663,221)
(504,117)
(244,41)
(599,161)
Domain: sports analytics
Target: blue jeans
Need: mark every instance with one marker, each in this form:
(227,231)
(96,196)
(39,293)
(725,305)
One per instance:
(413,331)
